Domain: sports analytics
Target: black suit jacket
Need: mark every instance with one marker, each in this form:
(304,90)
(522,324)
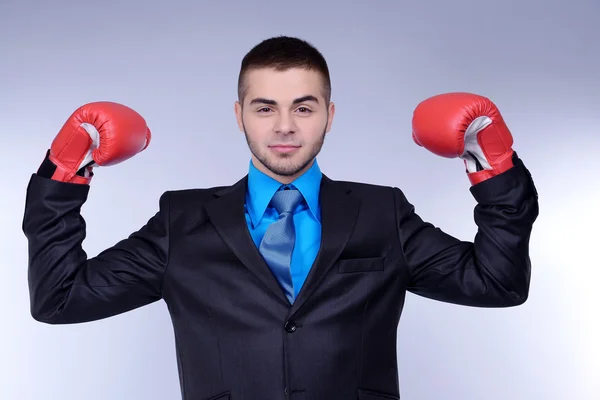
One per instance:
(237,337)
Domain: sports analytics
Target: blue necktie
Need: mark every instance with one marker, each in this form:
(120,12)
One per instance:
(278,243)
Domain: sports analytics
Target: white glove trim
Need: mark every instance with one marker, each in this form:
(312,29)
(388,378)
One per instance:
(472,149)
(95,136)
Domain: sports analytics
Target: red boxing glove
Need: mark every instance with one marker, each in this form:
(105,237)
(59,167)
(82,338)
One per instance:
(96,134)
(468,126)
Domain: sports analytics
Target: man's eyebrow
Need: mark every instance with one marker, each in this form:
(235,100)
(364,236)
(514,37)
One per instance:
(305,99)
(261,100)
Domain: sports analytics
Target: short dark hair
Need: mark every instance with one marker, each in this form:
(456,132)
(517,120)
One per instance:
(283,53)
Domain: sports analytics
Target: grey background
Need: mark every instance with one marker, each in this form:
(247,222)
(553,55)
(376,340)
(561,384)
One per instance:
(177,64)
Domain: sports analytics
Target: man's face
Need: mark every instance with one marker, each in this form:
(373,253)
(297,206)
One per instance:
(285,119)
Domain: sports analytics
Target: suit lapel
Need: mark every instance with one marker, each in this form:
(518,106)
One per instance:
(339,210)
(227,214)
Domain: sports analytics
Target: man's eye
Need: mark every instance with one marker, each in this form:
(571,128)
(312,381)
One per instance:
(264,109)
(304,110)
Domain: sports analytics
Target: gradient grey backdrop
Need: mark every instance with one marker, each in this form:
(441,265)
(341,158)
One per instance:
(177,64)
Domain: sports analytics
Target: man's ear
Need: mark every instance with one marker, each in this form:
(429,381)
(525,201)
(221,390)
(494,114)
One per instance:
(237,108)
(330,114)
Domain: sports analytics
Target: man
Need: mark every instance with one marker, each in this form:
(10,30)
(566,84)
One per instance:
(287,284)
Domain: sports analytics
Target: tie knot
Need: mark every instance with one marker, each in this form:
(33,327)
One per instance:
(286,201)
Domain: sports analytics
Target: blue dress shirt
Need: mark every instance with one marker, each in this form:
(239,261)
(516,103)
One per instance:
(307,217)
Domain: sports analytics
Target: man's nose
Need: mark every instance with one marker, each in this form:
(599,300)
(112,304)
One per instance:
(284,124)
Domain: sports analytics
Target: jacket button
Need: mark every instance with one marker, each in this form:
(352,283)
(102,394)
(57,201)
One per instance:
(290,326)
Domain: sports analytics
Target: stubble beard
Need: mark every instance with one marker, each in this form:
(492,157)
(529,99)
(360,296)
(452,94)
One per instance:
(282,165)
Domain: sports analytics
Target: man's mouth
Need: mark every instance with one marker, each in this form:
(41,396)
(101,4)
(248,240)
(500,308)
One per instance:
(284,148)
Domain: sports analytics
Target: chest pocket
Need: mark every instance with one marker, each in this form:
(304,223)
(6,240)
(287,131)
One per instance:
(353,265)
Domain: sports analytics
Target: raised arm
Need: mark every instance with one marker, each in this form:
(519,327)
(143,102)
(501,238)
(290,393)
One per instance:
(493,270)
(65,286)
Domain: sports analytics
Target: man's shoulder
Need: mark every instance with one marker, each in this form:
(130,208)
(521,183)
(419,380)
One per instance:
(362,187)
(195,195)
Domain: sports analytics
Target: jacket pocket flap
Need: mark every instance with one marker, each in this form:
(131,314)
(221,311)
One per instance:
(364,394)
(370,264)
(222,396)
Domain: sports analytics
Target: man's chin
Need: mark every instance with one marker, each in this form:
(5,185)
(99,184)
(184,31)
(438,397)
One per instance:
(285,170)
(286,166)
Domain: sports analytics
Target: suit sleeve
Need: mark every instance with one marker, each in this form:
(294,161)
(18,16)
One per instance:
(493,270)
(67,287)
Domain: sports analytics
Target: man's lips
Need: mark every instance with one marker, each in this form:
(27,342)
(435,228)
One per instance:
(284,147)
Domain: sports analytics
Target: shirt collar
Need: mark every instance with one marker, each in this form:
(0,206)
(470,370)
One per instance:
(262,187)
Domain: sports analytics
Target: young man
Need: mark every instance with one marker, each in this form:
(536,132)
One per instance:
(287,284)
